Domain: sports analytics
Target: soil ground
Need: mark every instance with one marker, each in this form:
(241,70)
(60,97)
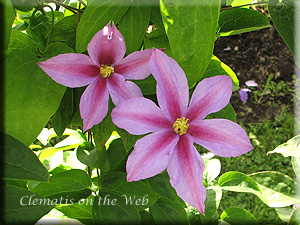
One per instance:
(254,56)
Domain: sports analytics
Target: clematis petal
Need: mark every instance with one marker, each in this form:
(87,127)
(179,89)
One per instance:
(71,69)
(140,116)
(121,90)
(94,103)
(135,66)
(107,46)
(185,170)
(244,94)
(172,86)
(211,95)
(220,136)
(151,155)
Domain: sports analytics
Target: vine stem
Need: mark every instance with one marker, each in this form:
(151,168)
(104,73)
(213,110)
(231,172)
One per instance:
(82,2)
(52,25)
(89,171)
(230,7)
(70,8)
(78,15)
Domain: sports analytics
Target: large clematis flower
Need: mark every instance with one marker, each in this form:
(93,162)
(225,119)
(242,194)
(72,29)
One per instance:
(104,70)
(175,126)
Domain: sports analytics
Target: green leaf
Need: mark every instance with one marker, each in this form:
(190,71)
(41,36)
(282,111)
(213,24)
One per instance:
(60,168)
(216,67)
(166,211)
(128,139)
(81,210)
(155,16)
(161,185)
(18,183)
(117,156)
(283,14)
(235,3)
(20,27)
(290,148)
(8,16)
(238,182)
(67,109)
(20,162)
(63,116)
(241,20)
(88,155)
(147,85)
(226,2)
(55,49)
(284,213)
(277,189)
(102,132)
(134,23)
(65,31)
(146,217)
(212,170)
(30,96)
(23,206)
(111,208)
(212,201)
(95,17)
(226,113)
(191,30)
(296,166)
(295,218)
(71,185)
(137,193)
(20,41)
(237,216)
(39,28)
(158,39)
(23,5)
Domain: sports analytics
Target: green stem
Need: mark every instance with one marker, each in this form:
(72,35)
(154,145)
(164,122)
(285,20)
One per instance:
(34,12)
(89,171)
(80,1)
(70,8)
(78,15)
(230,7)
(266,86)
(52,25)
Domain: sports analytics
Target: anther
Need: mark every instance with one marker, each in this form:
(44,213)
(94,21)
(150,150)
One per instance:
(106,70)
(180,126)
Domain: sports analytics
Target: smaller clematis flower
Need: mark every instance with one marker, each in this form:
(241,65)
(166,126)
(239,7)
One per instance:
(104,71)
(175,126)
(244,94)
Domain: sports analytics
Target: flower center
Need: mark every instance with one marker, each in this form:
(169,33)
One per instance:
(106,70)
(180,126)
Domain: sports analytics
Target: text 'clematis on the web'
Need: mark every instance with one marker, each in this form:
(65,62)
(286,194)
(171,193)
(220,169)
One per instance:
(175,126)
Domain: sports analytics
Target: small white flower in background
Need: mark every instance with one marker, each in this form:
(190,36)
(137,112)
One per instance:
(251,83)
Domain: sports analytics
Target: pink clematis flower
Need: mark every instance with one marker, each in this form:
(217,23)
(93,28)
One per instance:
(104,70)
(175,126)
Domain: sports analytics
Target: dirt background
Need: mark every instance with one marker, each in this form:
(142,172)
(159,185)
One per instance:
(254,56)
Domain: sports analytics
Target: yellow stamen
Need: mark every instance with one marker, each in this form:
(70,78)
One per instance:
(180,126)
(106,70)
